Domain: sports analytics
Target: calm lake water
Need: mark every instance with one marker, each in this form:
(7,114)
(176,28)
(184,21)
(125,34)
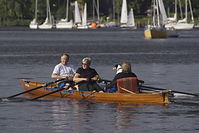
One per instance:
(171,63)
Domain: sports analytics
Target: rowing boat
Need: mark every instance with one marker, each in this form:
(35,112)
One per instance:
(139,98)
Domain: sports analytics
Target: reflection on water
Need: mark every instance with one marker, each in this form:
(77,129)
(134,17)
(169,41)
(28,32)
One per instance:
(86,115)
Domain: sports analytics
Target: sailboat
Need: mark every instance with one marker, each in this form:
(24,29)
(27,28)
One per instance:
(124,15)
(131,19)
(64,23)
(172,20)
(33,23)
(126,21)
(183,23)
(48,24)
(77,16)
(84,19)
(156,30)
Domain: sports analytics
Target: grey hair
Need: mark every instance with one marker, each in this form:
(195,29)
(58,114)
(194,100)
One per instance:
(86,59)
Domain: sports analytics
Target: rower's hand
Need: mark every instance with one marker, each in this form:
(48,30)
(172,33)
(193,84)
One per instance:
(71,76)
(86,79)
(141,81)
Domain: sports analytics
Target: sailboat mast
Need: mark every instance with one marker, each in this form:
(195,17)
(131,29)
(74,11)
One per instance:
(154,12)
(93,10)
(114,10)
(36,2)
(98,17)
(186,10)
(176,10)
(158,13)
(49,13)
(47,9)
(67,10)
(191,11)
(180,5)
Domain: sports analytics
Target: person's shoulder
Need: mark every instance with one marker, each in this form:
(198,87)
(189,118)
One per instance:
(58,65)
(70,65)
(124,75)
(119,75)
(91,68)
(79,69)
(133,74)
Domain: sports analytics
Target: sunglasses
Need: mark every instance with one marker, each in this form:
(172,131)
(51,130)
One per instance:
(84,63)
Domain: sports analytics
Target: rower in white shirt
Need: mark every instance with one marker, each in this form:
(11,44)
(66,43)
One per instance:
(63,70)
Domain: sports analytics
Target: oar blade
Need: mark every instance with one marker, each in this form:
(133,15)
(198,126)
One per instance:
(13,99)
(180,95)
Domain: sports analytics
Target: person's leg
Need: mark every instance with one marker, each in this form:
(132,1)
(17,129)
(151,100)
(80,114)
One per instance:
(83,87)
(97,87)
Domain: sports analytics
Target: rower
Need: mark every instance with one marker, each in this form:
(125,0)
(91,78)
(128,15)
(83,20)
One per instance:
(126,73)
(63,70)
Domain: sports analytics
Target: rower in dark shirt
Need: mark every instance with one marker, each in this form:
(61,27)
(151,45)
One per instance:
(126,72)
(86,77)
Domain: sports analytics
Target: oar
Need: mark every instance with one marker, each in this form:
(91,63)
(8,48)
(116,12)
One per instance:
(127,90)
(45,85)
(154,88)
(107,81)
(62,88)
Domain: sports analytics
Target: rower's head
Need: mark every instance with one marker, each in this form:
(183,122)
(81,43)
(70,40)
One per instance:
(86,62)
(64,58)
(126,67)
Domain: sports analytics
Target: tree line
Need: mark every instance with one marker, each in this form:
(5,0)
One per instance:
(21,12)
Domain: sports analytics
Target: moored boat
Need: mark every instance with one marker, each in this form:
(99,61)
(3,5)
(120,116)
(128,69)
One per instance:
(138,98)
(151,33)
(157,29)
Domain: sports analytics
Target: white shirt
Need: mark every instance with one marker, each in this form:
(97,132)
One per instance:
(63,70)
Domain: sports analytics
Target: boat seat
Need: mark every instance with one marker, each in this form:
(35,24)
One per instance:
(127,85)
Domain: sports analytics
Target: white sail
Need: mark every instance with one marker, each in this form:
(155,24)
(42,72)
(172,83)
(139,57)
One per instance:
(84,16)
(163,12)
(84,19)
(123,19)
(131,20)
(77,14)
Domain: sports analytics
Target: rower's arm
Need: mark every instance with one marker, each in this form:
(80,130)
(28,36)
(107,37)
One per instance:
(77,78)
(55,76)
(95,78)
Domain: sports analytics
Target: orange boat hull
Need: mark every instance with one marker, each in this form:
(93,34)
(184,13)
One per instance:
(140,98)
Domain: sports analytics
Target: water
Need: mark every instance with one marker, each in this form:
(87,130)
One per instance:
(166,63)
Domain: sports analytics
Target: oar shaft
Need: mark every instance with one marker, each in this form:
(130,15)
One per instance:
(50,93)
(154,88)
(185,93)
(25,92)
(45,85)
